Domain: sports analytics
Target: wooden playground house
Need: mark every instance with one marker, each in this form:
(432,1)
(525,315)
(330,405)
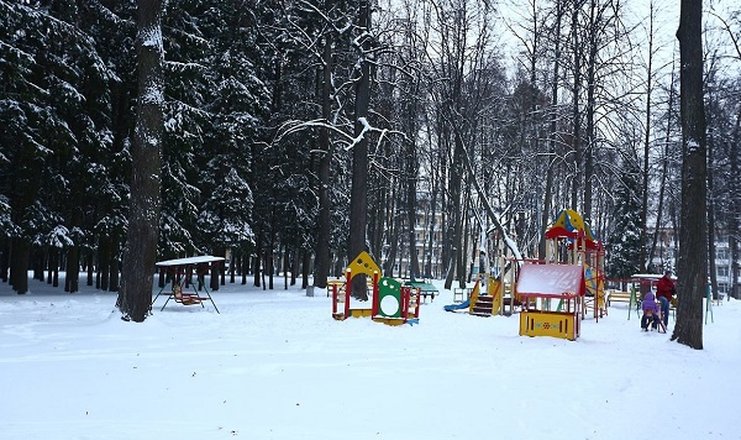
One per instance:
(540,284)
(556,294)
(392,303)
(570,241)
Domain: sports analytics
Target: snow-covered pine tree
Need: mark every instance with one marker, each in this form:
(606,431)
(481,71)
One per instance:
(56,109)
(624,241)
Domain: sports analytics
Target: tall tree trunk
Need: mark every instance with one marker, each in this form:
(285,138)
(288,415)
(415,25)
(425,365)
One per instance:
(38,264)
(104,263)
(321,264)
(140,253)
(72,278)
(591,108)
(295,265)
(411,180)
(306,257)
(21,253)
(692,267)
(90,273)
(644,255)
(359,190)
(576,112)
(664,170)
(4,259)
(455,220)
(735,211)
(712,269)
(258,262)
(393,226)
(545,219)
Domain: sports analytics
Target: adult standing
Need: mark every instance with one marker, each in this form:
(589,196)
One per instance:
(664,291)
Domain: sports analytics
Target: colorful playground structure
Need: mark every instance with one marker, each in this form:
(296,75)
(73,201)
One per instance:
(392,302)
(572,273)
(570,241)
(552,295)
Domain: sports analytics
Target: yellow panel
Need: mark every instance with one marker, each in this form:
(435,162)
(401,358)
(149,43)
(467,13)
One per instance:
(495,290)
(360,313)
(474,297)
(389,321)
(555,324)
(576,220)
(364,264)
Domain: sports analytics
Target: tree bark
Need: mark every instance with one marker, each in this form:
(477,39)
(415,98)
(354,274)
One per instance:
(712,269)
(545,219)
(692,267)
(21,253)
(359,190)
(321,265)
(140,253)
(594,23)
(664,170)
(733,224)
(646,256)
(576,112)
(72,278)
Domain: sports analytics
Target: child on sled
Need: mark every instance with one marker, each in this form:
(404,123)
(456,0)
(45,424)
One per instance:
(650,312)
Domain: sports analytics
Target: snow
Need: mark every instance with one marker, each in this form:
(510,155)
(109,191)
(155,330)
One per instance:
(190,260)
(275,365)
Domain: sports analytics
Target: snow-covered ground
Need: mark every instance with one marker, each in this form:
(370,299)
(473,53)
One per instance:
(275,365)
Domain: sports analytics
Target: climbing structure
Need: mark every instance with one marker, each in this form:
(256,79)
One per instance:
(392,303)
(570,241)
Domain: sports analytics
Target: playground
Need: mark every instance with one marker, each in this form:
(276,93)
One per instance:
(551,296)
(276,365)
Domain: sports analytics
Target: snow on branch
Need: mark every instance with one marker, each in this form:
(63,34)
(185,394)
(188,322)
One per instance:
(295,126)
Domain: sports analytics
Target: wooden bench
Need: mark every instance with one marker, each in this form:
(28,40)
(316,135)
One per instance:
(618,297)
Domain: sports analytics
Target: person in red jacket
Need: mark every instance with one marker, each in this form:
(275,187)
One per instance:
(664,291)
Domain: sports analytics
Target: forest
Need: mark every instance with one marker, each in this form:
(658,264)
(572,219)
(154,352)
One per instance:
(289,126)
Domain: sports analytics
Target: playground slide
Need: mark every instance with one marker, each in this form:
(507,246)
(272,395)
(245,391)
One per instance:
(453,307)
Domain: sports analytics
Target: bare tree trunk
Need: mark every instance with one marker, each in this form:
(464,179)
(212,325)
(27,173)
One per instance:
(664,170)
(545,219)
(591,108)
(321,264)
(21,253)
(72,278)
(411,184)
(4,259)
(306,261)
(644,255)
(140,252)
(711,220)
(359,190)
(393,234)
(733,223)
(576,113)
(90,273)
(692,265)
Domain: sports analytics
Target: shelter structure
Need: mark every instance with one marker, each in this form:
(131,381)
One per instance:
(180,271)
